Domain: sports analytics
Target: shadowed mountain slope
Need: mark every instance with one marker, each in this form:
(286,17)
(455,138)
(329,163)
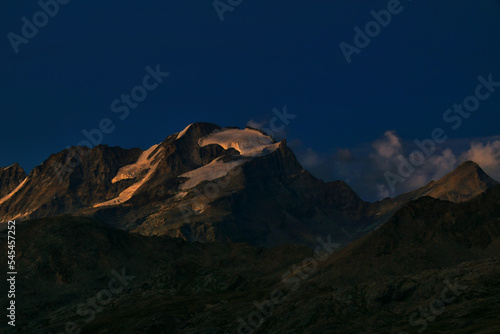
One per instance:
(433,266)
(207,183)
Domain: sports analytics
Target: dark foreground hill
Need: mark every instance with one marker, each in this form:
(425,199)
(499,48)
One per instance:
(432,268)
(64,261)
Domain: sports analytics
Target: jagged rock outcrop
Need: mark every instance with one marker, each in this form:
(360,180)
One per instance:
(10,178)
(67,181)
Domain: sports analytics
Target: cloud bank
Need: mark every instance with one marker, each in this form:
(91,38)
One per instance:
(365,168)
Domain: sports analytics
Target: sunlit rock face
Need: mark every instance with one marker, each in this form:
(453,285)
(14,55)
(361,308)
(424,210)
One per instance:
(209,183)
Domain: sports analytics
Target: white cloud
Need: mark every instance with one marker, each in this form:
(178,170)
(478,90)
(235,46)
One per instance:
(363,167)
(255,124)
(486,155)
(389,146)
(441,164)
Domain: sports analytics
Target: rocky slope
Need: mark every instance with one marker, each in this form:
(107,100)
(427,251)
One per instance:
(66,261)
(205,183)
(465,182)
(10,178)
(433,267)
(67,181)
(208,183)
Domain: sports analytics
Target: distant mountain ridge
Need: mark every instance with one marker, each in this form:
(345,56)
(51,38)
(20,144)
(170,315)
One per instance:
(465,182)
(208,183)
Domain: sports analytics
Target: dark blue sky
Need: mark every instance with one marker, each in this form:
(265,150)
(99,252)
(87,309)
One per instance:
(264,55)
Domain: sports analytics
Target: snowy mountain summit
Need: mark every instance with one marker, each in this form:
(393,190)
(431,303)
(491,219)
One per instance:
(248,143)
(191,185)
(208,183)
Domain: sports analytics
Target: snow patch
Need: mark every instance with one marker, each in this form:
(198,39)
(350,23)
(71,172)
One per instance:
(142,163)
(22,215)
(131,171)
(129,192)
(183,132)
(7,197)
(209,172)
(248,142)
(181,194)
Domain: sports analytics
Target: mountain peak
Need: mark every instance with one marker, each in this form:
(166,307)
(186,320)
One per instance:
(14,166)
(204,183)
(465,182)
(469,169)
(468,165)
(197,130)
